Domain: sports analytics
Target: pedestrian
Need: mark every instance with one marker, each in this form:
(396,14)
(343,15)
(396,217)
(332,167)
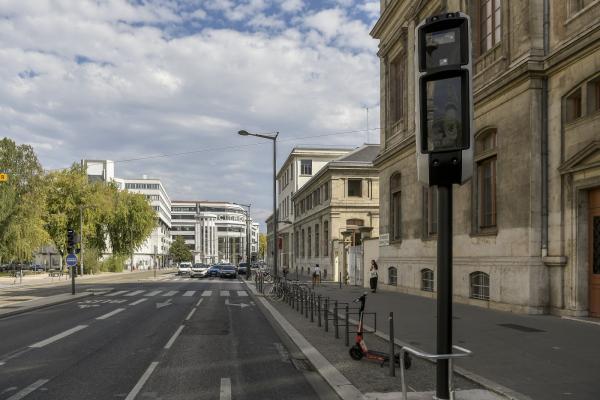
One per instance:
(317,274)
(374,276)
(285,273)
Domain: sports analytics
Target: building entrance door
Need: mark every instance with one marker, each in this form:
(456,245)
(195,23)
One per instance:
(594,251)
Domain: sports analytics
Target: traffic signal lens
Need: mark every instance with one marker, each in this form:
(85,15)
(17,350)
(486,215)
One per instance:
(442,48)
(444,128)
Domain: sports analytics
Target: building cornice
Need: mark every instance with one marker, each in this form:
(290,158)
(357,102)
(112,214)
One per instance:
(388,153)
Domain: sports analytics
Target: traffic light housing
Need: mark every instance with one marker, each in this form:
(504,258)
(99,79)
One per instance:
(444,99)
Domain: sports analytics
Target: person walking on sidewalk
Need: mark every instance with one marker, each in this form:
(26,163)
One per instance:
(374,276)
(317,274)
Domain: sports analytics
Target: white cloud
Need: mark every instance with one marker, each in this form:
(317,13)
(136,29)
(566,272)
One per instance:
(292,5)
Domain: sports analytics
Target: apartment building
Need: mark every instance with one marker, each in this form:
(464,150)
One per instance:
(527,225)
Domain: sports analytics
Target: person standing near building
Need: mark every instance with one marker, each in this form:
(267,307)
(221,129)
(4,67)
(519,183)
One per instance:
(374,276)
(317,274)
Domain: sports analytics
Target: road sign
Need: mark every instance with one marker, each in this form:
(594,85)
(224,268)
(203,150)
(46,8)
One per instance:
(71,260)
(3,177)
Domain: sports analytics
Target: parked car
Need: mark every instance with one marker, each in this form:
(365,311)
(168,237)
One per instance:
(199,270)
(242,268)
(228,271)
(215,270)
(37,267)
(185,268)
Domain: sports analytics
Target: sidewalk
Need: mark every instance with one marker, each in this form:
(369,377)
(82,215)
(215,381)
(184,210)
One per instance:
(542,357)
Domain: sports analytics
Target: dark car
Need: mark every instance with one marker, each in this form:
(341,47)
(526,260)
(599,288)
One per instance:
(215,270)
(242,268)
(228,271)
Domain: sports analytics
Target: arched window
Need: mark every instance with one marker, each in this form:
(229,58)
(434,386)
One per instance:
(395,208)
(392,276)
(479,285)
(427,280)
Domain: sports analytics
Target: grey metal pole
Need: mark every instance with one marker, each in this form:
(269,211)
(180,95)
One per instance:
(248,239)
(312,307)
(319,310)
(81,239)
(347,330)
(326,316)
(336,327)
(444,288)
(275,217)
(392,348)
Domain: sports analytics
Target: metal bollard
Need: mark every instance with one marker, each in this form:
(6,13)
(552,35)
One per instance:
(340,278)
(301,301)
(307,304)
(392,348)
(347,333)
(335,320)
(312,307)
(326,310)
(298,299)
(319,310)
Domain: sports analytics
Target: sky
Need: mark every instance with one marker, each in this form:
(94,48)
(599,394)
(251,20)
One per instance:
(163,86)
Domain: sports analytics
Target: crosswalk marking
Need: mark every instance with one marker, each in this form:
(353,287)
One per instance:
(134,293)
(224,293)
(242,293)
(170,293)
(153,293)
(207,293)
(117,293)
(189,293)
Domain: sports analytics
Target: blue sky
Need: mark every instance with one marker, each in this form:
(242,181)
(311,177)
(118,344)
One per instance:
(123,80)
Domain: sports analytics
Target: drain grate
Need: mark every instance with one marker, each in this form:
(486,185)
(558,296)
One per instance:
(521,328)
(302,364)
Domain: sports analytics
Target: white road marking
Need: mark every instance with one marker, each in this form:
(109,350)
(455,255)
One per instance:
(173,338)
(189,293)
(110,314)
(58,337)
(138,386)
(225,389)
(135,293)
(283,353)
(137,302)
(199,301)
(117,293)
(153,293)
(170,293)
(207,293)
(29,389)
(242,293)
(224,293)
(190,314)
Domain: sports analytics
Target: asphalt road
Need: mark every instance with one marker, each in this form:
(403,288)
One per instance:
(167,339)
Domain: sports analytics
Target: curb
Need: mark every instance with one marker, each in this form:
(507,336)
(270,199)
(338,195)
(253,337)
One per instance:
(44,305)
(338,382)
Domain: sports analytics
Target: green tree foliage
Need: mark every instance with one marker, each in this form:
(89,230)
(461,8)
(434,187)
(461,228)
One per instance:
(179,251)
(21,202)
(262,245)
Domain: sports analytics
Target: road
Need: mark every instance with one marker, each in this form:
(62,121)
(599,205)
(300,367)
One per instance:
(174,338)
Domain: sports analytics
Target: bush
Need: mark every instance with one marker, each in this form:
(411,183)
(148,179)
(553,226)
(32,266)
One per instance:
(114,263)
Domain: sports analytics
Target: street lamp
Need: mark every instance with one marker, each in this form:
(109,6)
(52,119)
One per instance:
(273,137)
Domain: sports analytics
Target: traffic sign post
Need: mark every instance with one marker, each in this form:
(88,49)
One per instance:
(444,138)
(71,261)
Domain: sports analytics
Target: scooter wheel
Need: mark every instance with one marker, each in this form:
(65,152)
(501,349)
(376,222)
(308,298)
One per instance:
(356,353)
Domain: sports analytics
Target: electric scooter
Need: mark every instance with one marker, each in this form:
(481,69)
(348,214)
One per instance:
(360,350)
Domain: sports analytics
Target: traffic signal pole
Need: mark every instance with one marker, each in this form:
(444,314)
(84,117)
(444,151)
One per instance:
(444,288)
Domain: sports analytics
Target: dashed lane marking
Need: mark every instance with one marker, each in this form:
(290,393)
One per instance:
(140,384)
(199,301)
(58,337)
(207,293)
(29,389)
(190,314)
(153,293)
(173,338)
(225,393)
(120,292)
(189,293)
(135,293)
(242,293)
(135,303)
(224,293)
(110,314)
(170,293)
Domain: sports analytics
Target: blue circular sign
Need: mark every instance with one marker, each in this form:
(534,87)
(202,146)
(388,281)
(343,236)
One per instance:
(71,260)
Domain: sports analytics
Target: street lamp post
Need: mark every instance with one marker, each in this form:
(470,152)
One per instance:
(273,137)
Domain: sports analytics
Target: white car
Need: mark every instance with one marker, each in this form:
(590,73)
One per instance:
(185,268)
(199,270)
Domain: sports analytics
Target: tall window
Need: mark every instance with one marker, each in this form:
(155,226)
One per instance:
(486,180)
(305,167)
(326,238)
(427,280)
(573,104)
(431,210)
(309,242)
(354,187)
(490,28)
(479,285)
(326,191)
(317,243)
(395,208)
(594,95)
(302,244)
(397,79)
(392,276)
(296,243)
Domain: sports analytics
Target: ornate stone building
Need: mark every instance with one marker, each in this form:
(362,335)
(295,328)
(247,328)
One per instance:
(527,225)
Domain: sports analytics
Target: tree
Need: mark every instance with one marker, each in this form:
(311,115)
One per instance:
(179,251)
(262,245)
(21,202)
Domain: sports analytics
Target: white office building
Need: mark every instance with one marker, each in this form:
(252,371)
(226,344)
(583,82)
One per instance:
(214,231)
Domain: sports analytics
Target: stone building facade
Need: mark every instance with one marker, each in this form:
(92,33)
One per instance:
(527,225)
(335,209)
